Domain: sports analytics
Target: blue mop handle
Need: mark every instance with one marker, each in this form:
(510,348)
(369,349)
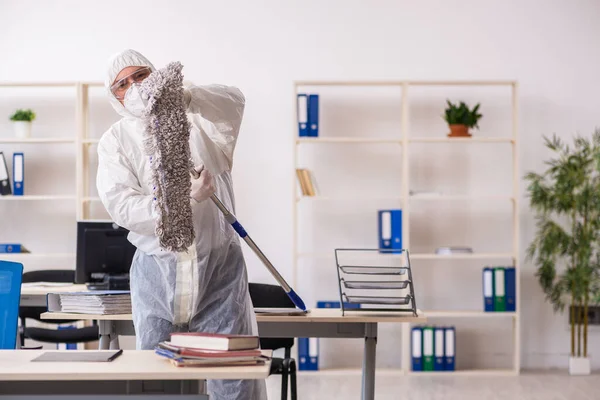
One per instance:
(244,235)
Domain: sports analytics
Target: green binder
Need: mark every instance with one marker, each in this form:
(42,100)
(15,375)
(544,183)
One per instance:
(499,290)
(428,348)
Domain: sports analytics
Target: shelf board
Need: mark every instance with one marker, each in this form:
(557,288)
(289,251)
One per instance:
(468,372)
(346,198)
(89,199)
(36,197)
(459,197)
(38,140)
(90,141)
(408,82)
(36,255)
(347,140)
(467,314)
(467,256)
(38,84)
(461,140)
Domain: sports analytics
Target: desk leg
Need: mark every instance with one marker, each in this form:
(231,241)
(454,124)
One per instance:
(106,332)
(368,372)
(114,343)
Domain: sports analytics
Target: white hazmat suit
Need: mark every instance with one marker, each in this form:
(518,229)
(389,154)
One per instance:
(206,289)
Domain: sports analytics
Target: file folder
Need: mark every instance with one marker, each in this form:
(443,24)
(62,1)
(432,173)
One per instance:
(488,289)
(18,173)
(313,115)
(308,354)
(499,293)
(510,288)
(428,344)
(4,181)
(302,105)
(390,230)
(336,304)
(439,349)
(417,348)
(450,348)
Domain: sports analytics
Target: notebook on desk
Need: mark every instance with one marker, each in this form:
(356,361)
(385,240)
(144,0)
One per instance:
(279,311)
(79,356)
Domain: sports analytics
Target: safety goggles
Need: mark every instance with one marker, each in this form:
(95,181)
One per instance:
(120,87)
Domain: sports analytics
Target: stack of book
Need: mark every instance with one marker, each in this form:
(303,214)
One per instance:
(307,182)
(208,349)
(97,302)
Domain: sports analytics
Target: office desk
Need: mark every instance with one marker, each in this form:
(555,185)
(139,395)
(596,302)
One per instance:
(320,323)
(132,365)
(35,296)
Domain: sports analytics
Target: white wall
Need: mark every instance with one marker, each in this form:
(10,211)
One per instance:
(262,46)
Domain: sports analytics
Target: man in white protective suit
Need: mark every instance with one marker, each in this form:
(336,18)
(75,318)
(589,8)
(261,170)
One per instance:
(206,289)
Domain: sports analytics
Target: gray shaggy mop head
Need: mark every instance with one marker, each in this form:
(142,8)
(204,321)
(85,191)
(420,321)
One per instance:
(166,142)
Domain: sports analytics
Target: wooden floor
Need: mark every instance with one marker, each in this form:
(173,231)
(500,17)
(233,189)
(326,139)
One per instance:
(555,385)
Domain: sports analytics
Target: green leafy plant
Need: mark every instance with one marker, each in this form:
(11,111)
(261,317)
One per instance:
(23,115)
(566,246)
(462,115)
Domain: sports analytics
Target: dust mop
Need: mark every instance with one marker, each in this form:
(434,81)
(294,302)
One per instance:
(166,142)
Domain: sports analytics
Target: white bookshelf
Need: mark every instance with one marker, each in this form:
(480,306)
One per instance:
(79,140)
(405,139)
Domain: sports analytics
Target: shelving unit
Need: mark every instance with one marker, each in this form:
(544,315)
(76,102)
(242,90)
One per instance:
(404,138)
(80,141)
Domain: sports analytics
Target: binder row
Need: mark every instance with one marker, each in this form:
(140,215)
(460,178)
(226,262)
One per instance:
(499,289)
(433,348)
(308,115)
(18,175)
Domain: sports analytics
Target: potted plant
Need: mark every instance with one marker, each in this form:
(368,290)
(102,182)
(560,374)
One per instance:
(460,118)
(22,122)
(566,246)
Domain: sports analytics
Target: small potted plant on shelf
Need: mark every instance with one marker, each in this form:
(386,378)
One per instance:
(460,119)
(566,247)
(22,120)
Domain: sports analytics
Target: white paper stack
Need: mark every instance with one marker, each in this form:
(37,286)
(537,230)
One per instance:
(94,302)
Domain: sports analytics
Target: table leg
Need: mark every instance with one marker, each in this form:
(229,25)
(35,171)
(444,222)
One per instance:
(104,330)
(368,373)
(114,343)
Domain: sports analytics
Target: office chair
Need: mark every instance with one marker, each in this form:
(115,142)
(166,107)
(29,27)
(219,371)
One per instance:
(263,296)
(78,335)
(10,298)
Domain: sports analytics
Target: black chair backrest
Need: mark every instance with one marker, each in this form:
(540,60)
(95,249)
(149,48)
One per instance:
(50,275)
(271,296)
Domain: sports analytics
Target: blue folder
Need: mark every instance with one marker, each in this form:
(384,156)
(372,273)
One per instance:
(439,338)
(510,288)
(313,115)
(417,348)
(488,288)
(390,230)
(450,348)
(18,174)
(302,107)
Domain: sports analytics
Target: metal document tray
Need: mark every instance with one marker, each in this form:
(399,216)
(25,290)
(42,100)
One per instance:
(375,284)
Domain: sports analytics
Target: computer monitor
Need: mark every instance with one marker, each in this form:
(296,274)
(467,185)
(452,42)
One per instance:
(102,248)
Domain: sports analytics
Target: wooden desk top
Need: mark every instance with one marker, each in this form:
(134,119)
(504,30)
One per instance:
(41,290)
(16,365)
(315,315)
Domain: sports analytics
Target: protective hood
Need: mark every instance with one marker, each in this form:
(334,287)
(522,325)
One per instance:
(116,63)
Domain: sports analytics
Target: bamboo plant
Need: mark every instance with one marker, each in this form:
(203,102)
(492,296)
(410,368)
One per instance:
(566,246)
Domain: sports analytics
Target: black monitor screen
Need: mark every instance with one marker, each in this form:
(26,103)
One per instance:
(102,247)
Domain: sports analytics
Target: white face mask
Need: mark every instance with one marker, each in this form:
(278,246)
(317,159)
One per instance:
(133,100)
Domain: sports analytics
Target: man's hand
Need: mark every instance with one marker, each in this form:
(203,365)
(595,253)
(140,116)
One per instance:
(203,187)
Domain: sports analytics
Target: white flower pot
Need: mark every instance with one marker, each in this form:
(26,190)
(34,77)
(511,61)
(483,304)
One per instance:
(22,129)
(579,365)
